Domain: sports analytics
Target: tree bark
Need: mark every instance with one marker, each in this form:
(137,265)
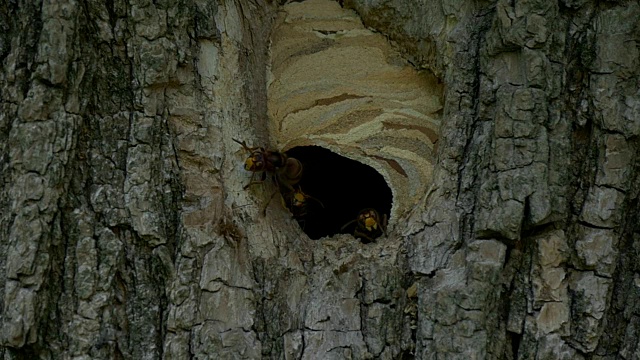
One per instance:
(125,231)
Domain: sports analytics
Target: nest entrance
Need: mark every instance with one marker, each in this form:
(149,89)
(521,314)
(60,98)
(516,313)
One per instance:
(340,188)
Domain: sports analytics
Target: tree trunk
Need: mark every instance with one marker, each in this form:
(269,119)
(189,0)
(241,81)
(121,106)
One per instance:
(125,231)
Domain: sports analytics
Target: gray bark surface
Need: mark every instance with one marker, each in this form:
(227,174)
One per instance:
(125,232)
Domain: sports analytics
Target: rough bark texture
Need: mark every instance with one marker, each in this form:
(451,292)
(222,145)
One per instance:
(125,232)
(528,241)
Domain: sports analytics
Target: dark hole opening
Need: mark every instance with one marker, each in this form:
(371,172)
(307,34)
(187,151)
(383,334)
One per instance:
(340,188)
